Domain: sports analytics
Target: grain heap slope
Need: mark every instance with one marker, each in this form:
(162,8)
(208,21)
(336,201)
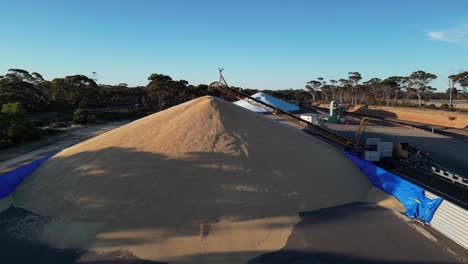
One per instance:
(205,177)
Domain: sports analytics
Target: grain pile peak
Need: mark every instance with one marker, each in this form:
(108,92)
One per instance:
(204,178)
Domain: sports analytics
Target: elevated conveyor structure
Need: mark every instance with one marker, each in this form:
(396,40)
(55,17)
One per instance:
(418,167)
(340,140)
(429,177)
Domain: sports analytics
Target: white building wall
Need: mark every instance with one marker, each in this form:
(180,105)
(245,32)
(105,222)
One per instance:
(451,220)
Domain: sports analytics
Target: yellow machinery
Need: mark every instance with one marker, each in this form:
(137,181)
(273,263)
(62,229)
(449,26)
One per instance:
(401,150)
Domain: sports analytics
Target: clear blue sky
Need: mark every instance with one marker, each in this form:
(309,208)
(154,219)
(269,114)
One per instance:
(261,44)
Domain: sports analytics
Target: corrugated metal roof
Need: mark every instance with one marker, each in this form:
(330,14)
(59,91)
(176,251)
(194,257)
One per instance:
(256,107)
(451,220)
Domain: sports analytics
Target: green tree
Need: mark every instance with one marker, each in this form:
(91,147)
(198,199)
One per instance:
(31,91)
(83,116)
(451,91)
(389,87)
(344,90)
(14,110)
(333,88)
(19,74)
(37,77)
(14,125)
(418,83)
(400,84)
(452,81)
(371,89)
(313,87)
(354,78)
(163,92)
(76,91)
(460,79)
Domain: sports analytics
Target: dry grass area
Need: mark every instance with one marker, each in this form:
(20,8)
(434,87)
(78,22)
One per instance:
(427,116)
(459,104)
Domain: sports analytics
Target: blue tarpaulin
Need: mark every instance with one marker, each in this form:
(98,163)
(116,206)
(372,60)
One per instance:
(417,205)
(12,179)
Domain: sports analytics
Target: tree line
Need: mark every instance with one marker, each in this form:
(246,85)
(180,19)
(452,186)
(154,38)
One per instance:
(389,91)
(80,98)
(36,94)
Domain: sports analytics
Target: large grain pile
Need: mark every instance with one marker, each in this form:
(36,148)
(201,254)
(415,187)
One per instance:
(205,179)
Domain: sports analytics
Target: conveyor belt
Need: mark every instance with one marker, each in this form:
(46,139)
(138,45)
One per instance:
(343,141)
(422,170)
(456,193)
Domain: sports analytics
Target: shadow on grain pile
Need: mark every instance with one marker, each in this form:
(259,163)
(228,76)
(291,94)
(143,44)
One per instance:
(357,233)
(350,233)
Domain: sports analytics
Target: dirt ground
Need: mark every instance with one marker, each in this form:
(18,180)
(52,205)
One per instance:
(434,117)
(447,151)
(459,104)
(13,157)
(438,118)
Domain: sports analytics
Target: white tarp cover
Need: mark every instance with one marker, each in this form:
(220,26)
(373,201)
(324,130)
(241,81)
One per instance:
(256,107)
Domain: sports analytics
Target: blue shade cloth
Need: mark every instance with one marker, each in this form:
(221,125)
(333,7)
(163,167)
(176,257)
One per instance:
(417,205)
(9,181)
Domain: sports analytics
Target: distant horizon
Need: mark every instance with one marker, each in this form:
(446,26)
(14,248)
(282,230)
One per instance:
(261,44)
(177,79)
